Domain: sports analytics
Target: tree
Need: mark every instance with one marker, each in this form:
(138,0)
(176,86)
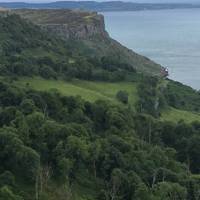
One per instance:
(170,191)
(65,166)
(16,157)
(117,184)
(77,148)
(27,106)
(7,194)
(194,154)
(122,96)
(142,193)
(28,162)
(95,150)
(47,72)
(7,178)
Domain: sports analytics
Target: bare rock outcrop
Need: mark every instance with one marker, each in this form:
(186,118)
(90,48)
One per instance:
(69,24)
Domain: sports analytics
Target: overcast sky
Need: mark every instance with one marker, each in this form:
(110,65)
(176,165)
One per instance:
(138,1)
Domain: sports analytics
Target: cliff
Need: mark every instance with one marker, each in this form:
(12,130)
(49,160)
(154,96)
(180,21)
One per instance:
(89,29)
(69,24)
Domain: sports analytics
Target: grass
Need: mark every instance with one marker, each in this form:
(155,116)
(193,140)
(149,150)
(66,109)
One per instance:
(176,115)
(92,91)
(88,90)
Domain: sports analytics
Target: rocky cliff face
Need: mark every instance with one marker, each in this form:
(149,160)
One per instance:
(67,23)
(82,31)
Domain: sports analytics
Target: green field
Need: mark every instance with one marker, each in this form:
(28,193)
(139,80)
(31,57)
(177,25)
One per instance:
(90,91)
(176,115)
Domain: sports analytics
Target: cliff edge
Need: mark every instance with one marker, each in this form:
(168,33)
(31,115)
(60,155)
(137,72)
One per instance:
(69,24)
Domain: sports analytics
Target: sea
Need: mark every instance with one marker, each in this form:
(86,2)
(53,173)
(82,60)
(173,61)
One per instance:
(169,37)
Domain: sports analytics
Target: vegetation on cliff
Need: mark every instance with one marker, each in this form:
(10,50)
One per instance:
(87,30)
(27,50)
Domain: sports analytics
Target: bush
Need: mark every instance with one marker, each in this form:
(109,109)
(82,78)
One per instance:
(47,72)
(122,96)
(7,194)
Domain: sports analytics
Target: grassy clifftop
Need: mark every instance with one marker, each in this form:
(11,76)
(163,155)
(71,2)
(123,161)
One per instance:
(62,16)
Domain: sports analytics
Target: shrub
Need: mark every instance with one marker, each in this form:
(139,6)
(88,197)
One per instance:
(122,96)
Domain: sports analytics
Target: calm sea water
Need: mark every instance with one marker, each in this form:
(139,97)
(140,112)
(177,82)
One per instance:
(169,37)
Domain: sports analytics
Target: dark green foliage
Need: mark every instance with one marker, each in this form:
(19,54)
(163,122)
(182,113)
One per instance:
(122,96)
(151,99)
(60,136)
(170,191)
(112,65)
(182,137)
(47,72)
(7,178)
(27,106)
(28,50)
(182,97)
(7,194)
(17,157)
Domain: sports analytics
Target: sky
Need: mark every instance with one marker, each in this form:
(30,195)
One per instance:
(138,1)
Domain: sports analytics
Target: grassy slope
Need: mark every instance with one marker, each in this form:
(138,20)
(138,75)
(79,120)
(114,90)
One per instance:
(175,115)
(112,48)
(93,91)
(90,91)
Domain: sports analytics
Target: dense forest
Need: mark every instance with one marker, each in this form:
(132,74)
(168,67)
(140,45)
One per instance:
(57,147)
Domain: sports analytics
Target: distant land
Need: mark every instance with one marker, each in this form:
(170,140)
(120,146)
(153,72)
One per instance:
(100,6)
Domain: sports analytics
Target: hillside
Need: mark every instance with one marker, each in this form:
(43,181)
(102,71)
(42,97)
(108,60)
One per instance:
(92,91)
(88,90)
(55,146)
(88,28)
(27,49)
(78,127)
